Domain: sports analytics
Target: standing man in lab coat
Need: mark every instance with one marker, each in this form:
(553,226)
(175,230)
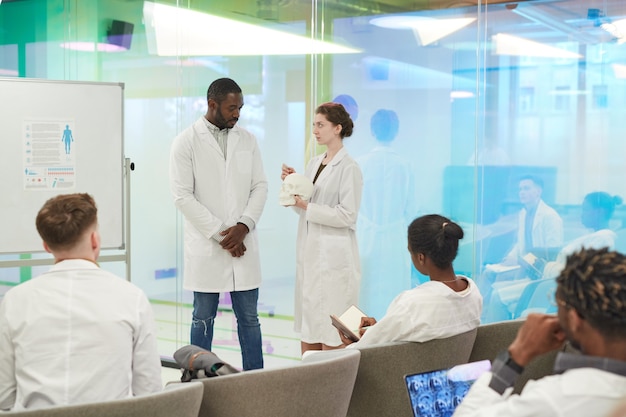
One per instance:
(218,184)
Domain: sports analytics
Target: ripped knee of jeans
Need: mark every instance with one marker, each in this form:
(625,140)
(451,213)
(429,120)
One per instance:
(206,323)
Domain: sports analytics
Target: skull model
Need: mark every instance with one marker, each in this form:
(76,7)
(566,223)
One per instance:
(295,184)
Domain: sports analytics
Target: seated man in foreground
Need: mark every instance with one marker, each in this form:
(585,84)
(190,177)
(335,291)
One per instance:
(77,333)
(591,299)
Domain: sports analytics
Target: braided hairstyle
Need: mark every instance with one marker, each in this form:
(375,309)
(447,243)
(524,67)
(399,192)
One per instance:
(436,237)
(593,283)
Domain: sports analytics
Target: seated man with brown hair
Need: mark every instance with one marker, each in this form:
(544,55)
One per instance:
(77,333)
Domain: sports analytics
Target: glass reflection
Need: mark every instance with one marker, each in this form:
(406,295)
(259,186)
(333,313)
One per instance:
(497,91)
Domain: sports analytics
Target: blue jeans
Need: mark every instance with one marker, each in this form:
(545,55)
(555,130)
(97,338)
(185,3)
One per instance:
(248,326)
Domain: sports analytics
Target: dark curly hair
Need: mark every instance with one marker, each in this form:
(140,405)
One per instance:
(593,283)
(220,88)
(436,237)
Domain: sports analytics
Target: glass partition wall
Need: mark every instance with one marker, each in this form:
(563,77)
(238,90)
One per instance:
(475,111)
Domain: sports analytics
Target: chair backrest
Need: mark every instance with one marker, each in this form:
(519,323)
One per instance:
(537,297)
(318,386)
(380,389)
(620,241)
(494,338)
(182,400)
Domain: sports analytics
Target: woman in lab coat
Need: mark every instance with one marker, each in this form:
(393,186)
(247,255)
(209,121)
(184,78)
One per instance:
(328,272)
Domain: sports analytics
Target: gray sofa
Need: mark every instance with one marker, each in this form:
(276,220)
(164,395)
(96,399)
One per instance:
(495,337)
(354,382)
(379,388)
(319,386)
(181,400)
(368,384)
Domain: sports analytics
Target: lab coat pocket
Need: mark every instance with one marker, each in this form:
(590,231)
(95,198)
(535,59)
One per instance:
(336,249)
(198,245)
(243,159)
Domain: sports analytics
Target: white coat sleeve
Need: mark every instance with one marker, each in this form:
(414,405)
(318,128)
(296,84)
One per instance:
(146,359)
(553,230)
(596,240)
(387,329)
(258,188)
(511,257)
(482,401)
(8,383)
(345,213)
(182,184)
(401,322)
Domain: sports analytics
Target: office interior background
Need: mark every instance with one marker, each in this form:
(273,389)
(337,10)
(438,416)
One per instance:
(484,93)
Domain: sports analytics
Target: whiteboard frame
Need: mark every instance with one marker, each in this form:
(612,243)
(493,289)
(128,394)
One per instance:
(125,203)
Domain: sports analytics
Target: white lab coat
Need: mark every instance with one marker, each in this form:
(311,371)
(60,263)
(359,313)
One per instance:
(429,311)
(547,231)
(578,392)
(210,191)
(328,271)
(76,334)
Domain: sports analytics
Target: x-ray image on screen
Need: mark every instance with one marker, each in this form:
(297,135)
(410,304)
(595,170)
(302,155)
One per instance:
(438,393)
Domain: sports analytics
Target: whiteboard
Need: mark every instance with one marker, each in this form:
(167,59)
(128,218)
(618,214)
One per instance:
(59,137)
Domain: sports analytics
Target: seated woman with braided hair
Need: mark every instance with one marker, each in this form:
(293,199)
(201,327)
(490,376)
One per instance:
(446,305)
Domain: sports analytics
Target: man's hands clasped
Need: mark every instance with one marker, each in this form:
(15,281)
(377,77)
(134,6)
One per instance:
(233,239)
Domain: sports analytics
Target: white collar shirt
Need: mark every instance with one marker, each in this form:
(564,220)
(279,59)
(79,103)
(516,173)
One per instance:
(220,135)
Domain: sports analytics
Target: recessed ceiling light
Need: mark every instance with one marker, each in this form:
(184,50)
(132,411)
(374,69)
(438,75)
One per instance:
(92,47)
(176,31)
(426,29)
